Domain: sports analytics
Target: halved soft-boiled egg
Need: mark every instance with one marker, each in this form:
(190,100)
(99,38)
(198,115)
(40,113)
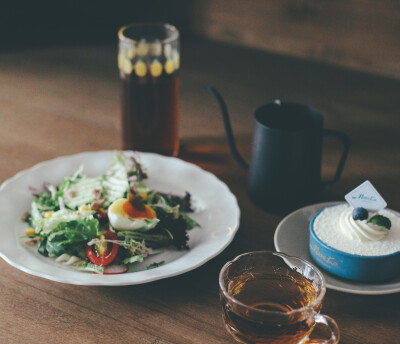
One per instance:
(123,215)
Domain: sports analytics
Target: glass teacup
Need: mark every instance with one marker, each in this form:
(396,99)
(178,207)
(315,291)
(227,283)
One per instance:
(269,297)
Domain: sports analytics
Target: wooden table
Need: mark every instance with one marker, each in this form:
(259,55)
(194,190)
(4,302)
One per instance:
(64,100)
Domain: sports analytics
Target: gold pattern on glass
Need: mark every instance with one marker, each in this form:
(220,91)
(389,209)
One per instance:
(169,67)
(121,61)
(155,49)
(177,60)
(156,68)
(167,50)
(131,52)
(140,68)
(142,48)
(127,66)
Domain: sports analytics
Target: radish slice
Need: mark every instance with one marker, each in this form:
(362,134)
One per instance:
(115,269)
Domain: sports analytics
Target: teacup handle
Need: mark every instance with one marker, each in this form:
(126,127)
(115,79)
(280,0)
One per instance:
(333,327)
(346,147)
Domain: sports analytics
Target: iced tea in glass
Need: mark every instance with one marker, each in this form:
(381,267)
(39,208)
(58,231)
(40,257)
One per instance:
(148,61)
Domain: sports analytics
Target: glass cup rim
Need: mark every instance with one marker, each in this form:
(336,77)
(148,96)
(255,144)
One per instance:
(174,36)
(311,305)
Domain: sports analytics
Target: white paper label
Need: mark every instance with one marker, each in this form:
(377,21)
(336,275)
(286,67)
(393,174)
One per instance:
(365,196)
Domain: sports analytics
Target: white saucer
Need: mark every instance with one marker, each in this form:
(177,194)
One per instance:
(292,238)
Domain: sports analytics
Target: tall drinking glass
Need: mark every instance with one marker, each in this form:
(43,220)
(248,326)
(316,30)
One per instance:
(148,62)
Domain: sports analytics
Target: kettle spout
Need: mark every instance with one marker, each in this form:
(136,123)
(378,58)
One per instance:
(228,127)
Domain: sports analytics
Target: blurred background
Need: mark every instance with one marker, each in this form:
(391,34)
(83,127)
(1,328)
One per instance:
(357,34)
(58,69)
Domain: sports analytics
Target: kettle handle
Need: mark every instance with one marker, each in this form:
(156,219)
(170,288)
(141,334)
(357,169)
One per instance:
(228,127)
(346,147)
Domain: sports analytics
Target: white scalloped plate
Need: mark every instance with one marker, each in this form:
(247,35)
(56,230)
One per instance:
(218,217)
(292,237)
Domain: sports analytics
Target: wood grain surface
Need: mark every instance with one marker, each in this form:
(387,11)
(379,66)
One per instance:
(360,34)
(62,101)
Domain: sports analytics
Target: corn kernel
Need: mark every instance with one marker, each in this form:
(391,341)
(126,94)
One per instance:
(48,214)
(84,207)
(30,231)
(144,196)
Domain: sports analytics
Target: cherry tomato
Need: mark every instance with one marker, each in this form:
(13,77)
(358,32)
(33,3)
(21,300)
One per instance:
(103,253)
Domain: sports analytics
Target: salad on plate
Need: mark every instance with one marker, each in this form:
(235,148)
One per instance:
(103,224)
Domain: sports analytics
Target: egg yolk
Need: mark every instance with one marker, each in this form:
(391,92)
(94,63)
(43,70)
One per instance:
(135,213)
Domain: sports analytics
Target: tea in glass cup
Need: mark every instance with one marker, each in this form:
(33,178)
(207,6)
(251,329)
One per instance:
(269,297)
(149,61)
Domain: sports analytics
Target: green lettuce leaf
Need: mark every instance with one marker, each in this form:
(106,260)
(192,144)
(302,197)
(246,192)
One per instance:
(138,258)
(47,225)
(75,231)
(87,266)
(155,265)
(70,237)
(190,223)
